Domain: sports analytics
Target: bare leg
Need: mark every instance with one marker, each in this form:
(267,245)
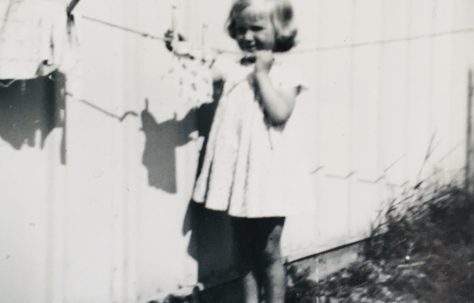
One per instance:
(244,232)
(250,288)
(271,262)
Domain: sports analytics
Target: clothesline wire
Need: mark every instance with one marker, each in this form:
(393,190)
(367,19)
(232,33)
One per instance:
(144,34)
(387,41)
(125,29)
(101,110)
(301,51)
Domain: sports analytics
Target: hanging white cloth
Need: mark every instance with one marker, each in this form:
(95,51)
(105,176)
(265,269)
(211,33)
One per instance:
(194,80)
(35,38)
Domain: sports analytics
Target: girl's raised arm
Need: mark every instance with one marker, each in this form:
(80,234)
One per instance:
(278,104)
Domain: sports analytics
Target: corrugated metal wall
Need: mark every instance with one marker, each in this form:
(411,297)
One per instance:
(112,222)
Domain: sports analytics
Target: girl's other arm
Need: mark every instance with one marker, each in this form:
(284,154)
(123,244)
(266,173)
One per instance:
(278,104)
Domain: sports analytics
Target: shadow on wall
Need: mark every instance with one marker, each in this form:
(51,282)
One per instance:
(161,141)
(31,106)
(211,243)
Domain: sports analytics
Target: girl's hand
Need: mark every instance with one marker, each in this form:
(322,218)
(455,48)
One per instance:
(263,61)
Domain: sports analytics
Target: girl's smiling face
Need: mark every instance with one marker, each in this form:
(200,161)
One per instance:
(255,30)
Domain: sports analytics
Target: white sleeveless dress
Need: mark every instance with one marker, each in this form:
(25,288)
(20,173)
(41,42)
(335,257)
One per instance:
(251,168)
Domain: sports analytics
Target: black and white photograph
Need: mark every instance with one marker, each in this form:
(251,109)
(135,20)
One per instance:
(237,151)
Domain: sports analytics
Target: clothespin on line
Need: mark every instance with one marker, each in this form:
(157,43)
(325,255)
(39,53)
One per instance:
(174,38)
(71,6)
(174,28)
(177,48)
(180,48)
(174,45)
(204,46)
(194,86)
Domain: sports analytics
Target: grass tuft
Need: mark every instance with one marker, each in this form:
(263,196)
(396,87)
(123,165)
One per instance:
(422,250)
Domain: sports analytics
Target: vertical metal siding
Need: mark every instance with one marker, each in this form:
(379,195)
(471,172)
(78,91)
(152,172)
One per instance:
(388,79)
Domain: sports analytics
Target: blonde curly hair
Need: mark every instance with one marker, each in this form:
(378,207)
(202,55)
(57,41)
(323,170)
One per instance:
(281,16)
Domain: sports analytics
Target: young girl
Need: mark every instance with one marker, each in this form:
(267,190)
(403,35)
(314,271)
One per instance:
(252,169)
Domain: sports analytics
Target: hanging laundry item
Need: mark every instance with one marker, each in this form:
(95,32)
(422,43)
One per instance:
(192,74)
(36,38)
